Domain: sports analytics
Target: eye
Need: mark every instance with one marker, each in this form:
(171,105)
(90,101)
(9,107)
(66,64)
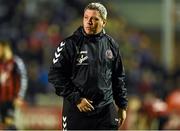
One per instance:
(95,19)
(85,17)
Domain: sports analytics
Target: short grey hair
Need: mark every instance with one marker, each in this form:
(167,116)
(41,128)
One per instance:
(99,7)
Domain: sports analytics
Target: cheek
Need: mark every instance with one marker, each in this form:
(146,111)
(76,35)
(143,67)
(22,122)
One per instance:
(83,22)
(99,25)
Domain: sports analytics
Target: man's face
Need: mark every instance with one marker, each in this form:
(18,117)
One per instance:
(92,22)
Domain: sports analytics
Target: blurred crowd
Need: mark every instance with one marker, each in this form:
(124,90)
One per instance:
(34,28)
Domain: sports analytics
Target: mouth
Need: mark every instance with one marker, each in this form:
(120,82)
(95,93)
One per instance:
(88,28)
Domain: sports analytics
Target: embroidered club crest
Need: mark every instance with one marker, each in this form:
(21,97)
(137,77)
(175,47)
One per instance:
(109,54)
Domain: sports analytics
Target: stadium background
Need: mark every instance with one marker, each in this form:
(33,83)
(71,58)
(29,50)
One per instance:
(148,33)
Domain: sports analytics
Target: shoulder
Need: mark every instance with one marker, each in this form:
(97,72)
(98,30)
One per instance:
(69,42)
(113,42)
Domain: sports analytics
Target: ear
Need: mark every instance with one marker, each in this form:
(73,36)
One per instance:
(104,23)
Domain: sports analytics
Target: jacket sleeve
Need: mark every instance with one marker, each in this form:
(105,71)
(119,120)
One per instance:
(61,70)
(23,76)
(118,84)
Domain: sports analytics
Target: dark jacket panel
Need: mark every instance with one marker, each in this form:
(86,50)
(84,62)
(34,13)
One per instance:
(90,67)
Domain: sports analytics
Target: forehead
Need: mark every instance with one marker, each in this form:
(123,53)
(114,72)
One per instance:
(92,12)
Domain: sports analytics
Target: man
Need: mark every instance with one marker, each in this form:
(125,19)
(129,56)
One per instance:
(13,84)
(87,71)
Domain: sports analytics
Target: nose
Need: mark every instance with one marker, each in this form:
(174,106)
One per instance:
(90,22)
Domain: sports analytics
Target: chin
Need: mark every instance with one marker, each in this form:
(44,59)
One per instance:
(89,32)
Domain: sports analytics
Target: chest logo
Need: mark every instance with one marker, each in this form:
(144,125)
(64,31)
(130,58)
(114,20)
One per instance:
(82,58)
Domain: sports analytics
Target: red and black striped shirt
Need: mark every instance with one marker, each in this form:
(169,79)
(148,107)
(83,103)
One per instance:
(13,79)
